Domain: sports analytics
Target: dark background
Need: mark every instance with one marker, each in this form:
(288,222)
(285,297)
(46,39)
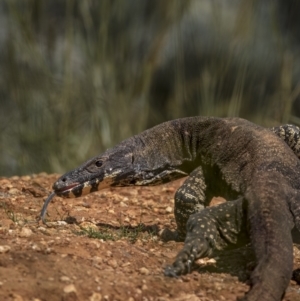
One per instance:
(77,77)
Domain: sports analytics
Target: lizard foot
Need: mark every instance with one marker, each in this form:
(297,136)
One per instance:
(192,250)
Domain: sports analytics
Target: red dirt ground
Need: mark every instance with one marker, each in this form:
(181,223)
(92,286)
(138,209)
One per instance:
(62,260)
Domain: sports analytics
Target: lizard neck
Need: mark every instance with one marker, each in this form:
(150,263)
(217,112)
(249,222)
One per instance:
(179,144)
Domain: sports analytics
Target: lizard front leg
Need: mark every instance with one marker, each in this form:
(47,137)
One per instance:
(190,198)
(214,228)
(230,225)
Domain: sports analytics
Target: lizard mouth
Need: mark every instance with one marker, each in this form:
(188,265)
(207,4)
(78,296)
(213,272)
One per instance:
(65,191)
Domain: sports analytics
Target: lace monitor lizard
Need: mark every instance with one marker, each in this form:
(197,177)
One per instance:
(228,157)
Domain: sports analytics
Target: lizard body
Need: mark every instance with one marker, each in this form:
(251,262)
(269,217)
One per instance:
(229,157)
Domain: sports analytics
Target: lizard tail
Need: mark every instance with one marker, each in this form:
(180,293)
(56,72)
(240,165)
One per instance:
(270,234)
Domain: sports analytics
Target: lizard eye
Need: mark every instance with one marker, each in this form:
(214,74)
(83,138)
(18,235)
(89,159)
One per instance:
(98,163)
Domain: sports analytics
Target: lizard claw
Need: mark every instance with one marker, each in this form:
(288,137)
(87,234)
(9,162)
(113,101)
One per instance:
(178,268)
(192,250)
(170,272)
(189,265)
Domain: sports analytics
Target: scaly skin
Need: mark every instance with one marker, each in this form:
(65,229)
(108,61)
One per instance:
(230,157)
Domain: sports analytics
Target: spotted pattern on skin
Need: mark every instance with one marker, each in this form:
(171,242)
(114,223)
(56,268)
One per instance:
(208,231)
(189,199)
(291,135)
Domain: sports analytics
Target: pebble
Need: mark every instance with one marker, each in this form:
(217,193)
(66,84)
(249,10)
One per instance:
(17,297)
(42,229)
(95,297)
(169,209)
(25,232)
(14,191)
(4,249)
(144,287)
(206,261)
(64,279)
(70,289)
(61,223)
(113,263)
(97,259)
(144,271)
(35,247)
(89,226)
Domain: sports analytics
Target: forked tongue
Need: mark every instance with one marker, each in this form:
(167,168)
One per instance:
(44,209)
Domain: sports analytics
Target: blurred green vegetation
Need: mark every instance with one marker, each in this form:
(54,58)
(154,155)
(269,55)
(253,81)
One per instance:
(77,76)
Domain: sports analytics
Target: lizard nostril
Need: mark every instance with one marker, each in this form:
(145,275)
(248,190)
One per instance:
(63,179)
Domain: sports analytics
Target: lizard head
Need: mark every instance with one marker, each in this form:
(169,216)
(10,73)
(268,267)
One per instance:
(97,173)
(127,164)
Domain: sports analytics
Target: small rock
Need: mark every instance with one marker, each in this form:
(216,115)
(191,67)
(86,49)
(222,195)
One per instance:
(14,191)
(42,229)
(86,205)
(89,226)
(6,223)
(25,232)
(35,247)
(113,263)
(144,287)
(95,297)
(64,279)
(97,259)
(61,223)
(206,261)
(17,297)
(169,209)
(144,271)
(4,249)
(70,289)
(5,183)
